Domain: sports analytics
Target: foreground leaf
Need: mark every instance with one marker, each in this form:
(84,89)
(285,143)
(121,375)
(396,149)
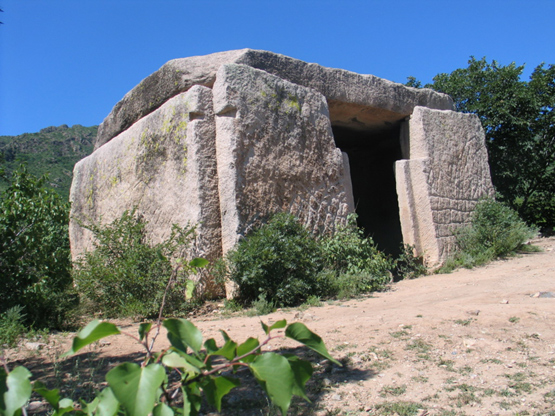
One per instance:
(89,408)
(224,335)
(51,396)
(175,360)
(104,404)
(108,404)
(135,387)
(60,407)
(302,371)
(198,263)
(228,350)
(162,409)
(274,374)
(249,345)
(15,390)
(210,346)
(300,333)
(216,388)
(64,406)
(277,325)
(183,334)
(190,287)
(143,329)
(191,399)
(94,331)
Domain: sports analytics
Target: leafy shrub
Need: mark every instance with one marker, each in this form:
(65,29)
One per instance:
(313,301)
(346,286)
(280,261)
(11,326)
(34,251)
(261,307)
(356,264)
(495,231)
(126,276)
(282,264)
(145,389)
(408,265)
(495,228)
(540,211)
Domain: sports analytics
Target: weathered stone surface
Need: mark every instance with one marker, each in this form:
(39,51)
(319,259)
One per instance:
(275,153)
(165,165)
(445,177)
(174,77)
(369,100)
(350,94)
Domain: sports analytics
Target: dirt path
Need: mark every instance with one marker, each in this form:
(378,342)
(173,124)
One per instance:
(474,342)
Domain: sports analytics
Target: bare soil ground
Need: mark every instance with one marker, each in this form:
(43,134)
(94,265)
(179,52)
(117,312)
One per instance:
(473,342)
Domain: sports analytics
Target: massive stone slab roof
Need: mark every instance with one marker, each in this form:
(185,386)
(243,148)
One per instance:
(352,98)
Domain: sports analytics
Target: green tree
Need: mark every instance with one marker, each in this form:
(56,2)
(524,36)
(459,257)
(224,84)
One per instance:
(519,123)
(34,250)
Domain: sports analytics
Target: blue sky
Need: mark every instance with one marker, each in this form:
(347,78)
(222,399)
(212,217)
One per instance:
(70,61)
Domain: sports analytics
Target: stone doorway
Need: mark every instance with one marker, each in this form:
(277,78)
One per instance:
(372,156)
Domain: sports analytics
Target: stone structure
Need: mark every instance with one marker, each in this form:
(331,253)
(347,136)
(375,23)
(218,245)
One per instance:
(223,140)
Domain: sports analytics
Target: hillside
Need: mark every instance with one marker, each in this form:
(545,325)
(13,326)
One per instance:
(53,150)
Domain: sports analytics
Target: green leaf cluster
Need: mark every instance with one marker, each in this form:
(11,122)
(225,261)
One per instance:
(354,261)
(282,263)
(34,251)
(495,231)
(126,275)
(519,123)
(145,389)
(12,326)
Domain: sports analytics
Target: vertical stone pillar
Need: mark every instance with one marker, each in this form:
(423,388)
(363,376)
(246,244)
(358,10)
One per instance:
(440,184)
(275,153)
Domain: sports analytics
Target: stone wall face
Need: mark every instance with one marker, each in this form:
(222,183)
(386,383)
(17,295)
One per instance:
(165,165)
(445,177)
(275,153)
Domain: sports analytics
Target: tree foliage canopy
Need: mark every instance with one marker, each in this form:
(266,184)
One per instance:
(519,123)
(34,250)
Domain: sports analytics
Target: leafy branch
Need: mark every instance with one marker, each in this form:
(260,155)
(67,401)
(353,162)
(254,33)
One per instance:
(141,390)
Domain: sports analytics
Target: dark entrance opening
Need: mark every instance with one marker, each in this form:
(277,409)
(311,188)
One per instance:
(372,155)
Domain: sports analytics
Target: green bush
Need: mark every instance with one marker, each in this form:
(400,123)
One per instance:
(495,231)
(408,265)
(540,211)
(11,326)
(280,261)
(495,228)
(261,307)
(356,264)
(283,264)
(34,251)
(126,276)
